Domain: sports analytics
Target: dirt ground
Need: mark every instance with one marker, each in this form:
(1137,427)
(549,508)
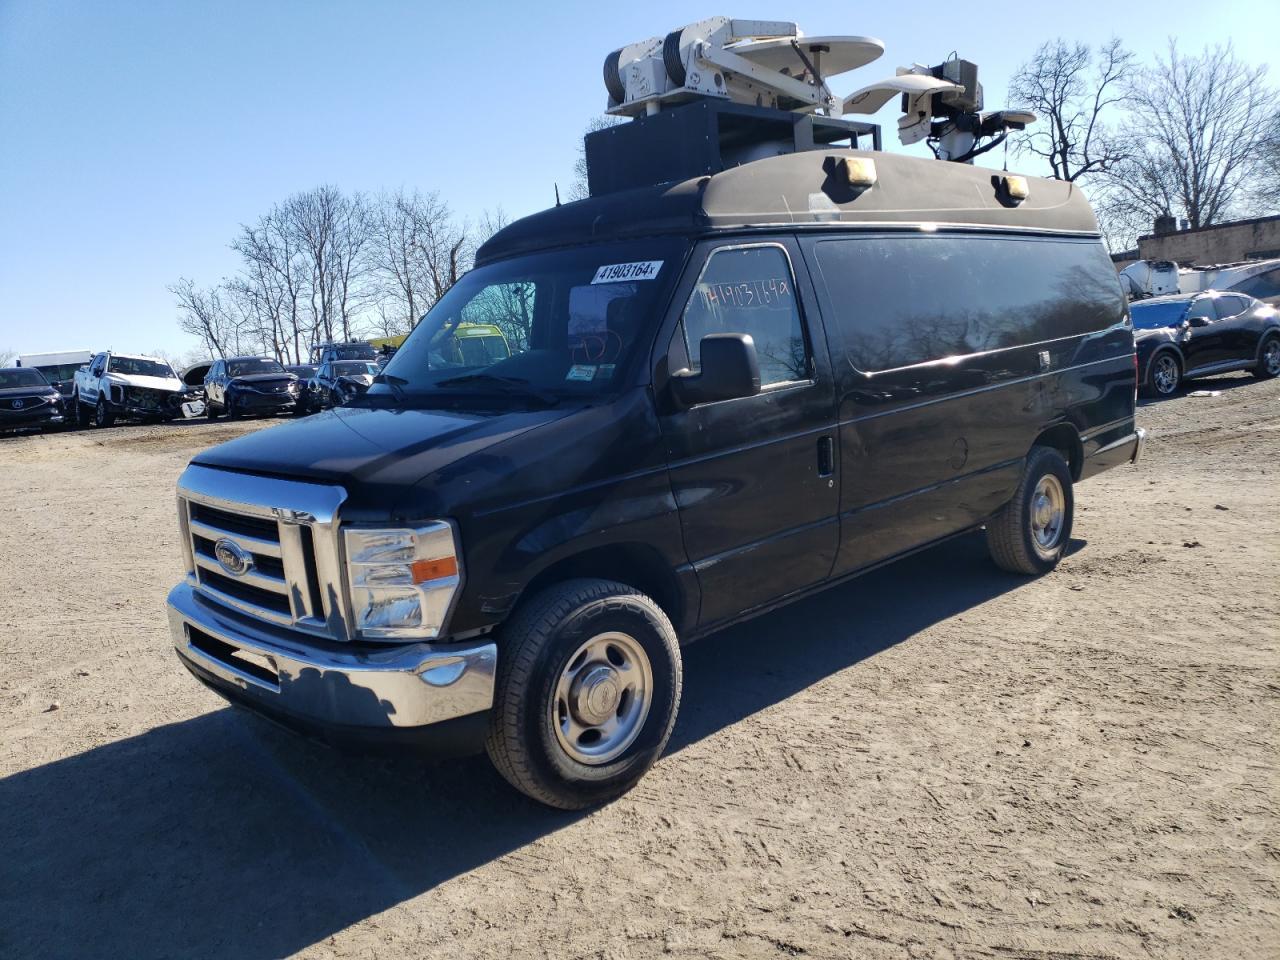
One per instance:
(937,760)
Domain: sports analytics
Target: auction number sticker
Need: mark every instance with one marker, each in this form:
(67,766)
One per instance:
(617,272)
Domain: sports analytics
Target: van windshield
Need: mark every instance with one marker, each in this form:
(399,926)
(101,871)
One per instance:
(61,371)
(1153,316)
(546,325)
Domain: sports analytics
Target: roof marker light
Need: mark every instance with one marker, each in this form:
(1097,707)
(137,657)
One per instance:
(1017,188)
(861,171)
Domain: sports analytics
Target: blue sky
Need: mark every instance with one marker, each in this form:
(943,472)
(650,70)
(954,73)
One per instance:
(136,136)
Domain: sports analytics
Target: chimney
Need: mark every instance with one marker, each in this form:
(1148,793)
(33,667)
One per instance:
(1166,225)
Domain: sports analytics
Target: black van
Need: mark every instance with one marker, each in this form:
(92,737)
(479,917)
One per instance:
(716,397)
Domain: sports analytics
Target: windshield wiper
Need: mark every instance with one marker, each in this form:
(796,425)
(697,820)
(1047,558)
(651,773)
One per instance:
(514,385)
(397,384)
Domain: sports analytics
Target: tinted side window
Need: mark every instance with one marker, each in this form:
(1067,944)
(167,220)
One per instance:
(750,290)
(1231,306)
(1202,308)
(905,300)
(1261,285)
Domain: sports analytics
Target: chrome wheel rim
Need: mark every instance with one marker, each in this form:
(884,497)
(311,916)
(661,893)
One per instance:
(1048,512)
(1165,374)
(602,698)
(1271,357)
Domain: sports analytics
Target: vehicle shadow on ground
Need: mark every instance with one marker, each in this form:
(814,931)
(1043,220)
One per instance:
(222,837)
(1223,384)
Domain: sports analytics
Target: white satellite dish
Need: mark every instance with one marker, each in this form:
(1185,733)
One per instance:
(829,55)
(871,98)
(767,63)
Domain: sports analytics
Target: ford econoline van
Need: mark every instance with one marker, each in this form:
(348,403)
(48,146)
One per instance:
(716,397)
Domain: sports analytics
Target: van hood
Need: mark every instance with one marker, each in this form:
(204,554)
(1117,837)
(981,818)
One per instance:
(377,455)
(149,383)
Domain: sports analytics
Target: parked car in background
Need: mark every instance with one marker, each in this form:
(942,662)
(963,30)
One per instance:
(193,379)
(304,372)
(59,369)
(27,399)
(1201,334)
(1258,280)
(338,382)
(248,386)
(117,385)
(345,350)
(1149,278)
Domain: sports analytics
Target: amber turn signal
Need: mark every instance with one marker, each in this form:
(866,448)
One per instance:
(424,570)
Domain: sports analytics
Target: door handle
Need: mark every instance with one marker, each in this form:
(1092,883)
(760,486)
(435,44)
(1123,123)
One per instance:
(826,456)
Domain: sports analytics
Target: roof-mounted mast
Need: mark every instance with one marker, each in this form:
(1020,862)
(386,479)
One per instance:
(722,92)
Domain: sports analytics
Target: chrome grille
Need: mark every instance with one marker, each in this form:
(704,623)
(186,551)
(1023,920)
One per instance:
(287,531)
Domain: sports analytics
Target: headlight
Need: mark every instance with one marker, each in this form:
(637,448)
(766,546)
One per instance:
(403,581)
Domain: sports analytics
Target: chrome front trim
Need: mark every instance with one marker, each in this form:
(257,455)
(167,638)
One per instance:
(252,544)
(293,506)
(244,606)
(405,685)
(251,576)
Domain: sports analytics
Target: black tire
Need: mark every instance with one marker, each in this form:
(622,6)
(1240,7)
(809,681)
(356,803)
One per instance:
(1164,374)
(210,411)
(231,410)
(537,643)
(102,415)
(1268,365)
(80,412)
(1012,534)
(335,399)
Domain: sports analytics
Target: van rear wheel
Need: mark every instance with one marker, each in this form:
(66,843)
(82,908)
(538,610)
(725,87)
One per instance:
(1031,533)
(588,687)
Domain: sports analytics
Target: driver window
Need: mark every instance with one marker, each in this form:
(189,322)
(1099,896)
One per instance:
(1202,308)
(750,290)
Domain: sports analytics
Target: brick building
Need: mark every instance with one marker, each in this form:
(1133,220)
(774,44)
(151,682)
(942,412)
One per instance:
(1256,239)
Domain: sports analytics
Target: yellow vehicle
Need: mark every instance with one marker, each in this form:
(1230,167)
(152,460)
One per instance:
(471,345)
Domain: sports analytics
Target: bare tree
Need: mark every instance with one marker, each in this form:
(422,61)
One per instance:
(7,356)
(1198,125)
(1265,195)
(275,275)
(1072,88)
(398,257)
(201,314)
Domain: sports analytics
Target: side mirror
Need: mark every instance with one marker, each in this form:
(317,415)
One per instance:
(1198,321)
(730,369)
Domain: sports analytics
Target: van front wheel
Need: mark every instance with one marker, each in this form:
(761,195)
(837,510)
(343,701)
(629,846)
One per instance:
(1031,533)
(587,691)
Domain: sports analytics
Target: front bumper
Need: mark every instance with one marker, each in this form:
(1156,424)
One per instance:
(45,415)
(256,402)
(420,694)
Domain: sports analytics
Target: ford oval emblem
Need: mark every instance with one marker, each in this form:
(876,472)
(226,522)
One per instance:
(232,557)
